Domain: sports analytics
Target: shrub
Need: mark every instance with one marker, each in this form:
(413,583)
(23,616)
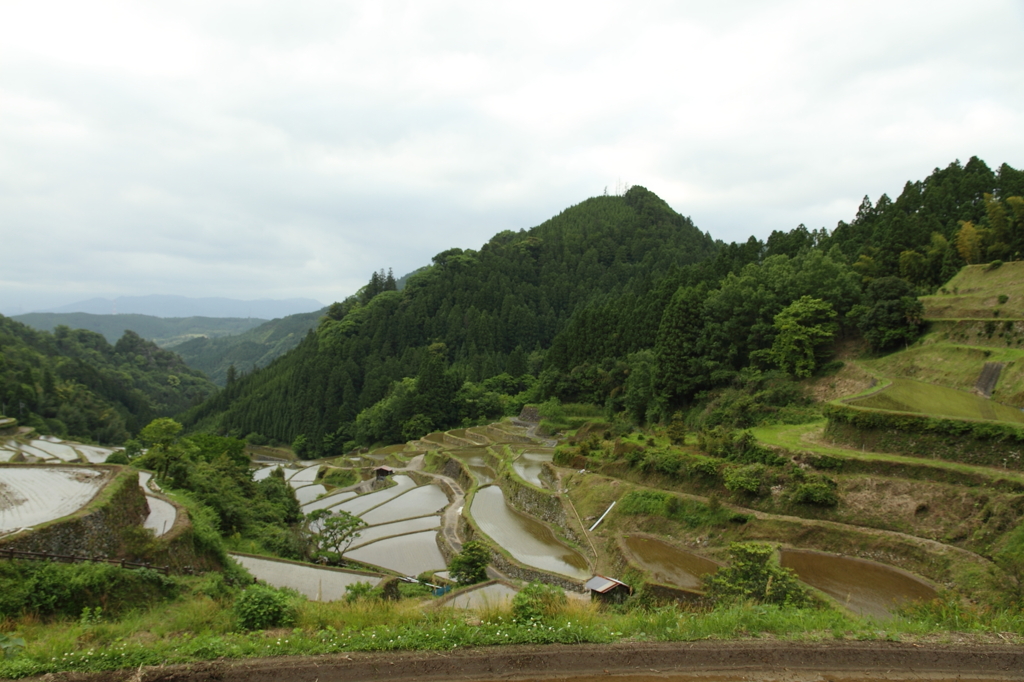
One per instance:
(536,601)
(339,478)
(753,575)
(470,565)
(117,457)
(745,479)
(362,591)
(260,607)
(994,265)
(821,493)
(1003,298)
(52,589)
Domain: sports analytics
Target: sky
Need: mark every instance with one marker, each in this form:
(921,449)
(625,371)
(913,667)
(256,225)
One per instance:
(270,149)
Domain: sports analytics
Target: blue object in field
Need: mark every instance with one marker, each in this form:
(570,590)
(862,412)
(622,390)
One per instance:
(441,591)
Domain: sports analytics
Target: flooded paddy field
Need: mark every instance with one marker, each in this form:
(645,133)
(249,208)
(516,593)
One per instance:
(483,597)
(304,476)
(374,533)
(530,466)
(865,587)
(53,450)
(325,583)
(366,502)
(668,564)
(162,515)
(328,501)
(426,499)
(475,459)
(529,541)
(309,493)
(33,495)
(407,554)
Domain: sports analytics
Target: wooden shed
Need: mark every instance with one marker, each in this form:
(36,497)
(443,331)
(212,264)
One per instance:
(608,589)
(383,472)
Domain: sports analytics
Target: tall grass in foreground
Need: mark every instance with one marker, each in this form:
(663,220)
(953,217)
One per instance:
(202,628)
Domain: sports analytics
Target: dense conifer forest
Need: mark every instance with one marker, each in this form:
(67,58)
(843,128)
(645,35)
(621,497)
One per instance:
(622,302)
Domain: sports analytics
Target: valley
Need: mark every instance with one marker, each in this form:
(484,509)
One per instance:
(609,429)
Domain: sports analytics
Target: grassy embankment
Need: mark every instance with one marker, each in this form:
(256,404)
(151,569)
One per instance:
(199,627)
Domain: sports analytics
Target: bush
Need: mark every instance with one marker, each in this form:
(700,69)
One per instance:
(470,565)
(745,479)
(117,457)
(1003,298)
(753,575)
(260,607)
(339,478)
(537,601)
(994,265)
(362,591)
(821,493)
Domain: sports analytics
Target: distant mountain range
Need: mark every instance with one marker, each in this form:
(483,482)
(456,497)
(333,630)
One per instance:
(163,331)
(183,306)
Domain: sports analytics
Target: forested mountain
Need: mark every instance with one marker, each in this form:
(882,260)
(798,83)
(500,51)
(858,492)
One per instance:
(622,302)
(470,316)
(164,331)
(73,383)
(257,347)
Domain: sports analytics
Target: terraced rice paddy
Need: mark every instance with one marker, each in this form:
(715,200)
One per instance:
(263,473)
(486,596)
(304,476)
(865,587)
(374,533)
(476,461)
(668,564)
(309,493)
(529,541)
(331,500)
(407,554)
(906,395)
(364,503)
(530,466)
(33,495)
(323,583)
(161,515)
(426,499)
(53,450)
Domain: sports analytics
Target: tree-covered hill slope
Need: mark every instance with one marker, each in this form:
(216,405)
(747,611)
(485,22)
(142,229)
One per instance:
(73,383)
(256,347)
(620,302)
(470,316)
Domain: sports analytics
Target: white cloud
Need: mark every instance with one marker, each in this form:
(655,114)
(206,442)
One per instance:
(272,149)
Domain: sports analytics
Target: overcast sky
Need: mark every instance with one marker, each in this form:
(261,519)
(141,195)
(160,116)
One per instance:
(287,149)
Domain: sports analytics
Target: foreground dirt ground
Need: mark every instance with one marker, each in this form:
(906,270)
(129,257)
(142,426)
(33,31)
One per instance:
(639,662)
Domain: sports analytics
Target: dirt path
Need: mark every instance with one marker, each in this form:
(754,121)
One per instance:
(745,660)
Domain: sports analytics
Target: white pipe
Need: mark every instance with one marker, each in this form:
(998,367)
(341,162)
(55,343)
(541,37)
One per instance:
(602,518)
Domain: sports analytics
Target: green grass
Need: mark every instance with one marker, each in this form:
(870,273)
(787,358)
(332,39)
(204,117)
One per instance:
(955,366)
(974,293)
(907,395)
(201,628)
(794,438)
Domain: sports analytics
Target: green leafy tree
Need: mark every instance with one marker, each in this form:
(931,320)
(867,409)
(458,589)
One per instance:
(893,316)
(160,435)
(333,531)
(753,575)
(804,327)
(470,565)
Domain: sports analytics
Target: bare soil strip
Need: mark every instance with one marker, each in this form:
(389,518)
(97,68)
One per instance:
(748,660)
